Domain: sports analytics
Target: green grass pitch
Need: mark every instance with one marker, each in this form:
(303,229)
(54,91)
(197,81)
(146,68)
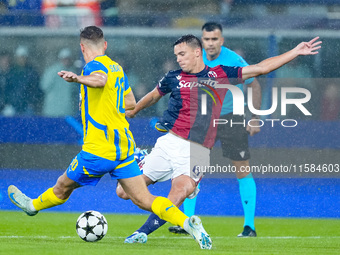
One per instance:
(54,233)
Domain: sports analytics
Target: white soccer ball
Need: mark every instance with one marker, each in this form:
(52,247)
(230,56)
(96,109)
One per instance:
(91,226)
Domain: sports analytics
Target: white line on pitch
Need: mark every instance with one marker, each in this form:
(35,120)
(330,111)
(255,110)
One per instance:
(176,237)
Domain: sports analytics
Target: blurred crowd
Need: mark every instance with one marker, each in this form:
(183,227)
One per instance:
(29,88)
(171,13)
(26,92)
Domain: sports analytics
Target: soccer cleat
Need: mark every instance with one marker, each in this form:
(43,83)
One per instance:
(178,230)
(247,232)
(20,200)
(197,231)
(136,238)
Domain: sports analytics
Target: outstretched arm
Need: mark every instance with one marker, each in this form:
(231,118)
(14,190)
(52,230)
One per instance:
(94,80)
(270,64)
(148,100)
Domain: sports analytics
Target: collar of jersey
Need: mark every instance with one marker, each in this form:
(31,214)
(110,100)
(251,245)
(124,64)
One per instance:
(205,70)
(99,56)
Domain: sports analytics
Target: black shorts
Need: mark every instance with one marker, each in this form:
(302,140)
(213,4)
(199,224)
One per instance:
(234,139)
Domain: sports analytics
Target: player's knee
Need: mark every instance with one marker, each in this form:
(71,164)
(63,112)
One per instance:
(121,193)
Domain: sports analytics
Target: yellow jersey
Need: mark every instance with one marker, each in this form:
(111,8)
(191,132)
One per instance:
(106,131)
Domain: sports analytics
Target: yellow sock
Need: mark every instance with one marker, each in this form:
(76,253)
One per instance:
(47,200)
(166,210)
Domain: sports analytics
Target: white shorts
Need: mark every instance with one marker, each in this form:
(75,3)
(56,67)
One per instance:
(173,156)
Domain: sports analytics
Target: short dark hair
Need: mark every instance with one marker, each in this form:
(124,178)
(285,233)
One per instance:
(191,40)
(211,26)
(92,33)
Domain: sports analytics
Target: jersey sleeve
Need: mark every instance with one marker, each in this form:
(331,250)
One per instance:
(163,86)
(127,87)
(94,66)
(239,61)
(234,74)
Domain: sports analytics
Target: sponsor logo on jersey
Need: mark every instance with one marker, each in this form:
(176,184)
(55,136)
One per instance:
(193,84)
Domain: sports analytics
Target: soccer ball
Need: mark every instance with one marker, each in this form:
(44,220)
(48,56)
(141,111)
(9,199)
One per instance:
(91,226)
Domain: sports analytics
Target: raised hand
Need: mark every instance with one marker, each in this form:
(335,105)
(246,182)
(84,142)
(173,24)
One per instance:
(253,130)
(309,48)
(68,76)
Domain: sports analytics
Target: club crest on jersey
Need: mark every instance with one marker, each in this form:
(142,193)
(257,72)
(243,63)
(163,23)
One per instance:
(179,77)
(212,74)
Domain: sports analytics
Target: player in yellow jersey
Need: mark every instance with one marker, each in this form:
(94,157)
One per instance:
(108,143)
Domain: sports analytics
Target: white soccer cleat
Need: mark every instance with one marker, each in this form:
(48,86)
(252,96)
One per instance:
(20,200)
(136,238)
(195,228)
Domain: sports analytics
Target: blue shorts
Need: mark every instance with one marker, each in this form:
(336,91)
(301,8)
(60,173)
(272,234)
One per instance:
(87,169)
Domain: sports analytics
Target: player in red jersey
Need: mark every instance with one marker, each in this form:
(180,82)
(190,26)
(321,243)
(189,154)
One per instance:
(191,135)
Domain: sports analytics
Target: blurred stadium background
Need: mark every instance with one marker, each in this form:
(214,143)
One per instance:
(37,145)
